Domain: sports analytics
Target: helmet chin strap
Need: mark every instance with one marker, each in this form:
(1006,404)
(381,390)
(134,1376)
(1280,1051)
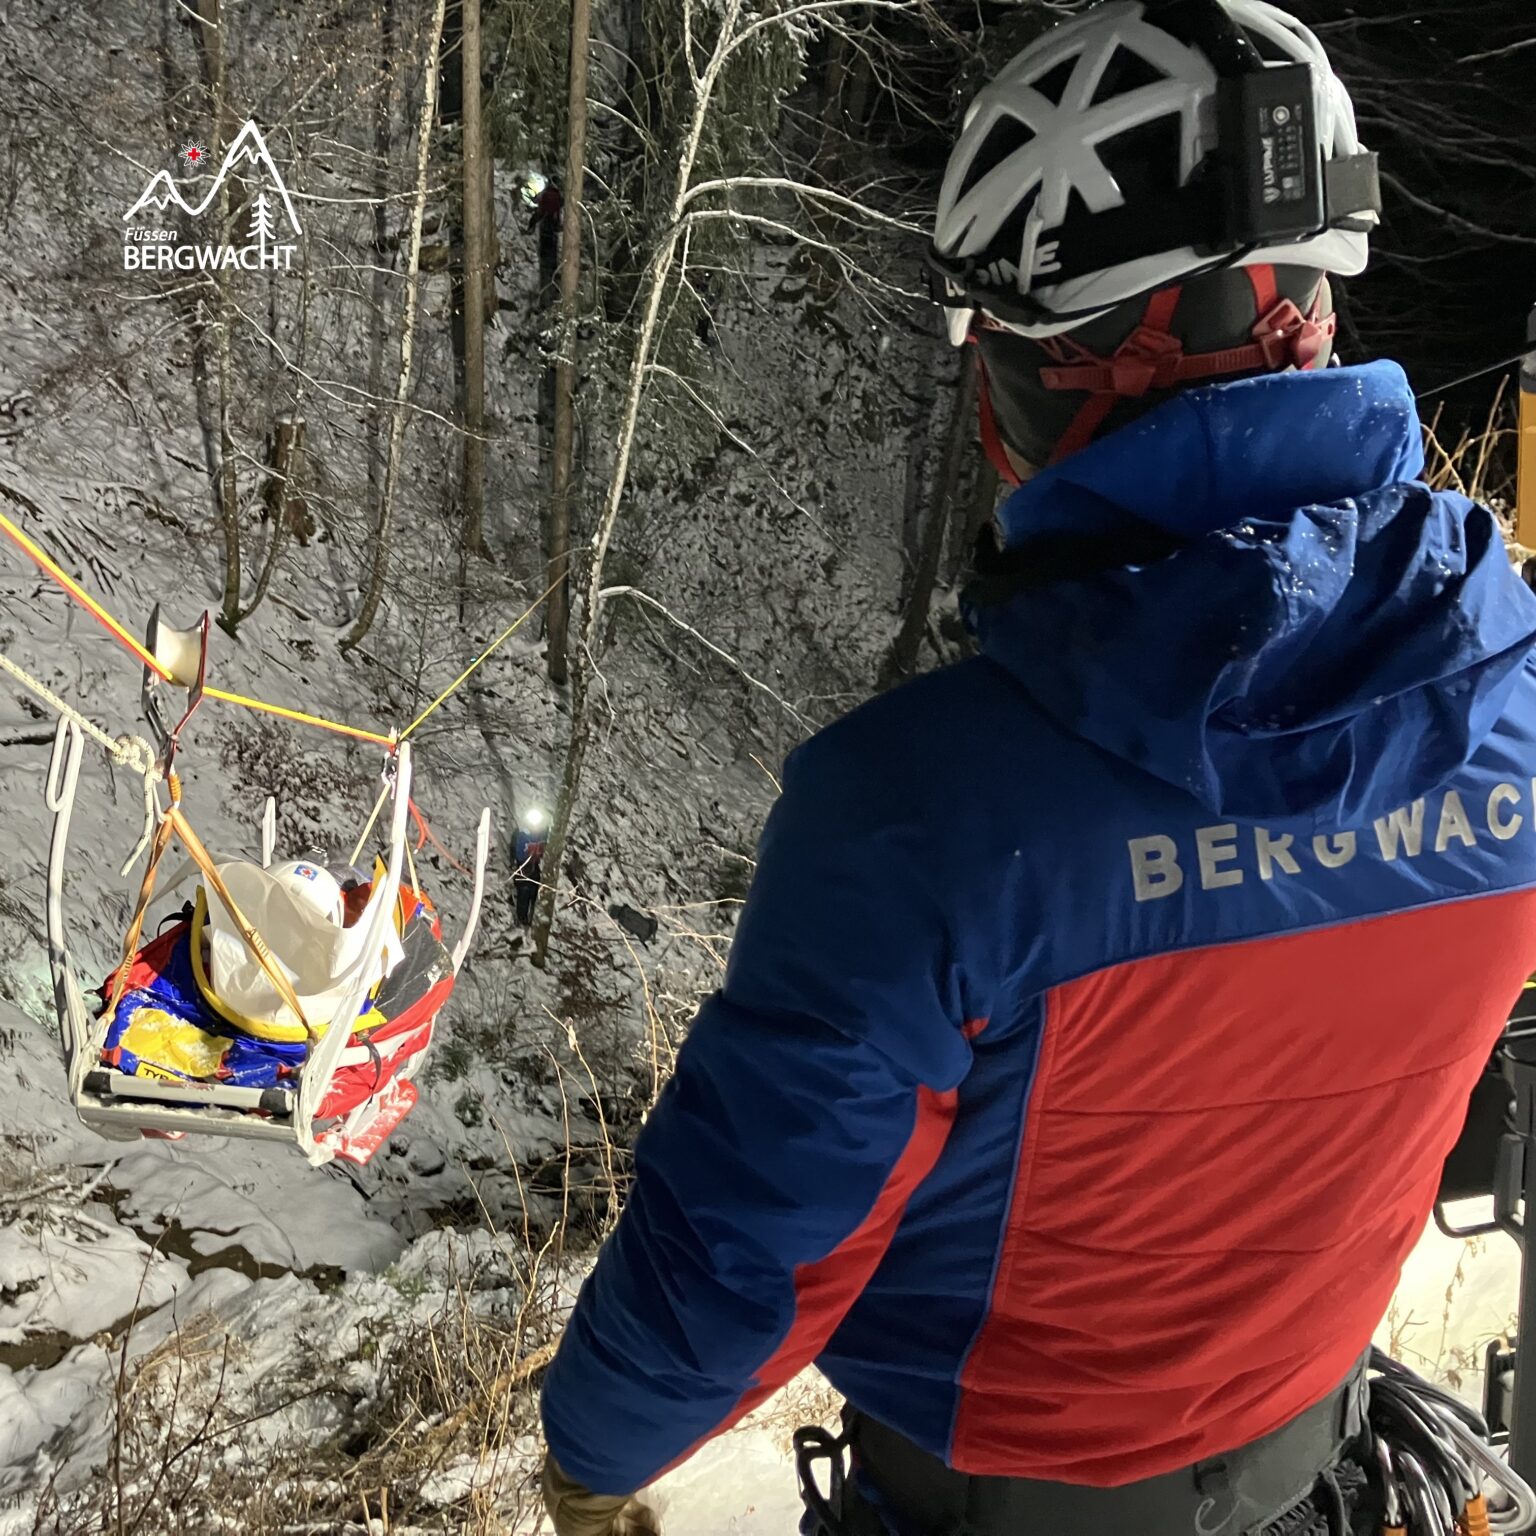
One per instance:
(1152,358)
(991,438)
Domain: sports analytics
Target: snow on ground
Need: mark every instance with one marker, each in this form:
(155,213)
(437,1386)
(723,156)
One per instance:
(263,1203)
(76,1276)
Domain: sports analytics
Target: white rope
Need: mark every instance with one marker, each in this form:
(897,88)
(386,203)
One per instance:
(151,814)
(131,752)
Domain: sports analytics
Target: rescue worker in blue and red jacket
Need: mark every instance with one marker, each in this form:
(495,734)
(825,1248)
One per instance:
(1084,1161)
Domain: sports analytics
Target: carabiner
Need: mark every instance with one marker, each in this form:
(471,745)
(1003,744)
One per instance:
(1391,1489)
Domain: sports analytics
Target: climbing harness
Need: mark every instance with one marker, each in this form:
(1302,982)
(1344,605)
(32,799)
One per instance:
(1387,1454)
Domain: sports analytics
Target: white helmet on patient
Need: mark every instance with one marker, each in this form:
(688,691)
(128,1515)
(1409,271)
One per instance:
(315,886)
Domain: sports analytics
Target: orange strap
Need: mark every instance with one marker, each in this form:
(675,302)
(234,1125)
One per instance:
(136,924)
(175,822)
(428,835)
(253,940)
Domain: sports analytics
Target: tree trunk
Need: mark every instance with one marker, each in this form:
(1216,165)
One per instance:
(384,527)
(383,124)
(475,273)
(283,501)
(195,301)
(589,651)
(902,661)
(919,471)
(229,506)
(285,489)
(623,267)
(450,116)
(558,540)
(833,130)
(283,493)
(546,307)
(211,54)
(861,78)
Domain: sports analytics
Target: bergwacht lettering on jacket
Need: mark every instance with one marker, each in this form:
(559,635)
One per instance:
(1226,854)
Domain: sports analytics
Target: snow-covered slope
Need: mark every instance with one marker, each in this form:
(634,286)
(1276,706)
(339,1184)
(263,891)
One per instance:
(143,1286)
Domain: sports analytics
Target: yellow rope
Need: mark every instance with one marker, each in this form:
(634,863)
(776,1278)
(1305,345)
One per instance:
(47,564)
(51,567)
(378,805)
(300,716)
(484,655)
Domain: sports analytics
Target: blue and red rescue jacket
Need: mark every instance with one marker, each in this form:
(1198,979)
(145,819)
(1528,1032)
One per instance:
(1092,1145)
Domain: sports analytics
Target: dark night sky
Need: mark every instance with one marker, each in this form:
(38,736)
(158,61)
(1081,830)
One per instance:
(1455,275)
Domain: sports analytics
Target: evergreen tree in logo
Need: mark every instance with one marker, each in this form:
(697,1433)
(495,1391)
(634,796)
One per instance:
(262,228)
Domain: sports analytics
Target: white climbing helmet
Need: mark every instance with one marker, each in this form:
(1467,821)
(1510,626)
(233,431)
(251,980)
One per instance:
(315,886)
(1140,145)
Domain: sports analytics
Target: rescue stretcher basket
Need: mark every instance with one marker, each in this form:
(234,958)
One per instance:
(316,1116)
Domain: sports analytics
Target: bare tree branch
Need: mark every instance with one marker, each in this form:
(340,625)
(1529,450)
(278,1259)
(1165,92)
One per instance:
(1499,53)
(709,645)
(817,194)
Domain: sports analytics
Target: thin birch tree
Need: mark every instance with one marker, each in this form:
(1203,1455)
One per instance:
(476,274)
(384,523)
(558,539)
(681,217)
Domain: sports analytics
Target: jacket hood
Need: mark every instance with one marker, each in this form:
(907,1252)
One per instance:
(1327,636)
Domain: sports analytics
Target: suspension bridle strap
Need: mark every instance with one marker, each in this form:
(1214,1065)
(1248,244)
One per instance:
(1149,340)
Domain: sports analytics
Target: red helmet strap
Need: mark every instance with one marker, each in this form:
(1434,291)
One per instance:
(991,438)
(1152,358)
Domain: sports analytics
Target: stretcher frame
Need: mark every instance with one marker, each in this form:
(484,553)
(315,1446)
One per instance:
(121,1106)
